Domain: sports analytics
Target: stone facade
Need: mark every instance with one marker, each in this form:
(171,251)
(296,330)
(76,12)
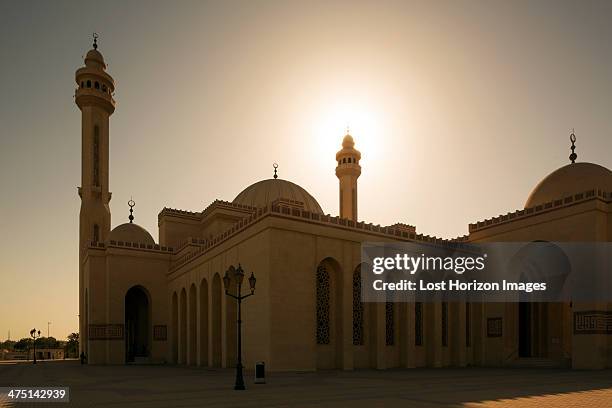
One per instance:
(142,301)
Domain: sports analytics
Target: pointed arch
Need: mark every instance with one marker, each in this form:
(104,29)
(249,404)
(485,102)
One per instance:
(203,355)
(85,338)
(175,340)
(358,309)
(183,327)
(389,323)
(231,330)
(137,311)
(418,324)
(364,324)
(216,320)
(328,314)
(192,349)
(444,323)
(323,305)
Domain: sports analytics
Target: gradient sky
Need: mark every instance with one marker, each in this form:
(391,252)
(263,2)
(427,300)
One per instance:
(458,107)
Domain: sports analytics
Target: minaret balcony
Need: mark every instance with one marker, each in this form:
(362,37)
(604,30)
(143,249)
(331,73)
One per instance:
(94,97)
(348,170)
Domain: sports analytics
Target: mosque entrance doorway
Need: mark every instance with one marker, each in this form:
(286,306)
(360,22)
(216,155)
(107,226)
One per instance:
(136,325)
(525,329)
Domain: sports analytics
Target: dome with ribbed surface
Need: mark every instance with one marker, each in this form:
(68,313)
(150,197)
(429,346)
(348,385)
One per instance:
(568,180)
(131,233)
(265,192)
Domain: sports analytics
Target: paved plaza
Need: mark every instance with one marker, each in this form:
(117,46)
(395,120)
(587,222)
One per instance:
(177,386)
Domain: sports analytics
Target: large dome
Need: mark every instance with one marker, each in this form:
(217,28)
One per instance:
(265,192)
(131,233)
(568,180)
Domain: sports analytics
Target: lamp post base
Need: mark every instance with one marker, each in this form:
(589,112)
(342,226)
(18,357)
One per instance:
(239,379)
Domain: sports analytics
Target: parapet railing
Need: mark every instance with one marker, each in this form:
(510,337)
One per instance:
(397,231)
(226,204)
(176,211)
(136,245)
(202,214)
(554,204)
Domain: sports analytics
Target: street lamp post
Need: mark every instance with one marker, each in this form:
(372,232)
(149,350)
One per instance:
(238,274)
(35,334)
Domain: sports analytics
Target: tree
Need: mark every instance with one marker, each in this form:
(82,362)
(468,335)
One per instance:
(8,345)
(72,345)
(23,344)
(47,342)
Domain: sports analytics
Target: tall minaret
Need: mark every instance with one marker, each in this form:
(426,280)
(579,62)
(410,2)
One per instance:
(348,171)
(94,97)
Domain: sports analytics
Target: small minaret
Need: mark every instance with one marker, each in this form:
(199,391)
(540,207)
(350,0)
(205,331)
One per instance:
(348,171)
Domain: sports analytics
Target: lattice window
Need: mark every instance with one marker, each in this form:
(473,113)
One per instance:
(389,324)
(323,305)
(357,309)
(494,327)
(468,324)
(106,332)
(444,324)
(160,332)
(96,156)
(418,324)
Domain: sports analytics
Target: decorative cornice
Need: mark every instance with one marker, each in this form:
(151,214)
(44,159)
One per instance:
(131,245)
(166,211)
(301,215)
(542,208)
(217,204)
(220,204)
(403,227)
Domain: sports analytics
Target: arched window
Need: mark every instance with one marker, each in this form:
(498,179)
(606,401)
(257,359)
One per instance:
(88,83)
(96,156)
(103,87)
(389,324)
(444,324)
(357,309)
(323,305)
(418,324)
(82,84)
(96,233)
(97,85)
(344,160)
(468,324)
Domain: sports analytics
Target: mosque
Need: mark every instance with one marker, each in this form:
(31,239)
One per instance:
(143,300)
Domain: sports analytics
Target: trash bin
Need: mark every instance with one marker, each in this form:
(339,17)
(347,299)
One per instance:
(260,372)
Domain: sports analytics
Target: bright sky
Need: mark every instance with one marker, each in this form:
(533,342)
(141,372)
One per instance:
(458,107)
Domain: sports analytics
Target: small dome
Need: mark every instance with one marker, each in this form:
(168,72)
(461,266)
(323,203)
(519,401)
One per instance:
(95,59)
(348,149)
(131,233)
(265,192)
(348,142)
(570,179)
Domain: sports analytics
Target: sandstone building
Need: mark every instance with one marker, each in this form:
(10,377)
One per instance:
(162,300)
